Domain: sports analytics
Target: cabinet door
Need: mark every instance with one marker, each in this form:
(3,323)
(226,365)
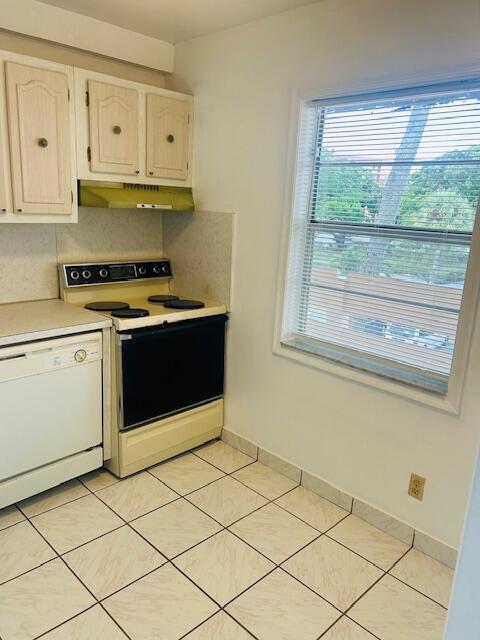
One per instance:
(167,137)
(113,122)
(39,129)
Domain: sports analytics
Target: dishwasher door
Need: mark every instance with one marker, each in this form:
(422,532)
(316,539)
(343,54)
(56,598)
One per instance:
(50,401)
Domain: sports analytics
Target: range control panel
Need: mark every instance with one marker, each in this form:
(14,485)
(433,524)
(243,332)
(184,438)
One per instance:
(77,275)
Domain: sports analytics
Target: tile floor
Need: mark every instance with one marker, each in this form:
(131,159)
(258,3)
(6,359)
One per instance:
(211,545)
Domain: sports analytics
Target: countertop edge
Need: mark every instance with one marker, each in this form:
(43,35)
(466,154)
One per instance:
(55,332)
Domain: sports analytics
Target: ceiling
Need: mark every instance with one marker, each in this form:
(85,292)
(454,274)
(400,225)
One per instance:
(177,20)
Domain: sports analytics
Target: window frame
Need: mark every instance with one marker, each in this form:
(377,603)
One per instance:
(450,402)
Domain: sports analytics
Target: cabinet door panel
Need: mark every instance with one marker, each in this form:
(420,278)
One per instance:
(39,129)
(113,121)
(167,137)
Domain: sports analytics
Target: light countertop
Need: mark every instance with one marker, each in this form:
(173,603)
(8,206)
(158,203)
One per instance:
(26,321)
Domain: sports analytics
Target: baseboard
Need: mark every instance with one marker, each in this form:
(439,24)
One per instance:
(379,519)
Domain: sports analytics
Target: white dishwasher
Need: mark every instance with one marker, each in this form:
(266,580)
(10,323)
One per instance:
(50,413)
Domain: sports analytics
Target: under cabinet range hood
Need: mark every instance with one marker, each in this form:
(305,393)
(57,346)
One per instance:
(118,195)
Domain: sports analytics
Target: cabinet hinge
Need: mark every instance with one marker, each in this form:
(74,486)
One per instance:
(89,154)
(87,99)
(72,195)
(68,93)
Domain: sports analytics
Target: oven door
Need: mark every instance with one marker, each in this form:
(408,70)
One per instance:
(170,368)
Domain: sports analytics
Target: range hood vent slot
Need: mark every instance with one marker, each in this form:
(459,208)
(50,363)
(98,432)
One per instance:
(117,195)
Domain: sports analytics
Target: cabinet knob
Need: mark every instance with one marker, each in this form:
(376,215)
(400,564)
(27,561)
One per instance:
(43,142)
(170,138)
(117,129)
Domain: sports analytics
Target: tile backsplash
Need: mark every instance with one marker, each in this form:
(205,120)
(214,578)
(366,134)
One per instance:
(28,258)
(199,245)
(29,253)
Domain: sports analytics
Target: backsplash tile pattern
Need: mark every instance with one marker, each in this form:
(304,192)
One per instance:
(27,262)
(29,253)
(106,234)
(199,244)
(200,247)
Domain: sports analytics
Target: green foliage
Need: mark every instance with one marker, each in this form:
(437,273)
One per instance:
(437,196)
(442,209)
(463,179)
(346,193)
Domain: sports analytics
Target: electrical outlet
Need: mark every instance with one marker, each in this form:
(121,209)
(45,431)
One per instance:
(416,486)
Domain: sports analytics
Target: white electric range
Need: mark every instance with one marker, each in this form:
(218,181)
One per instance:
(167,359)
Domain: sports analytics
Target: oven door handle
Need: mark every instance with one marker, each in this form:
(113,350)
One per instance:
(171,327)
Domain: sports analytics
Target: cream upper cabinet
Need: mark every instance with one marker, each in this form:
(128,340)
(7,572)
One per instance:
(113,128)
(167,137)
(37,141)
(39,132)
(131,132)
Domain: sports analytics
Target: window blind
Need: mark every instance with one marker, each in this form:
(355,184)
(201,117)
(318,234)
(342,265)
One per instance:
(385,200)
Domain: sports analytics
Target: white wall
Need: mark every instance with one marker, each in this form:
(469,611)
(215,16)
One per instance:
(363,440)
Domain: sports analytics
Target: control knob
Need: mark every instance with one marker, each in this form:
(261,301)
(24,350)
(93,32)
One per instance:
(103,273)
(165,268)
(157,269)
(142,270)
(86,274)
(80,355)
(74,275)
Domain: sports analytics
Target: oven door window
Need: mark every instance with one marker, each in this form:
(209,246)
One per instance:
(171,368)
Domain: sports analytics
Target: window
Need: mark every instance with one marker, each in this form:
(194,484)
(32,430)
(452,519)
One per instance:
(385,201)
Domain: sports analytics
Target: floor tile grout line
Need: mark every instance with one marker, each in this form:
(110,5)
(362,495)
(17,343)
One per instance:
(57,626)
(325,631)
(207,484)
(227,613)
(115,621)
(189,548)
(71,570)
(136,517)
(304,584)
(185,635)
(417,590)
(374,635)
(261,494)
(127,523)
(223,527)
(365,593)
(359,554)
(29,570)
(68,569)
(35,515)
(241,593)
(220,469)
(14,524)
(389,572)
(185,575)
(97,601)
(193,582)
(129,584)
(167,560)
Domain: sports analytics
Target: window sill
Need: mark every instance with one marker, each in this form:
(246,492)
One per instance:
(449,403)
